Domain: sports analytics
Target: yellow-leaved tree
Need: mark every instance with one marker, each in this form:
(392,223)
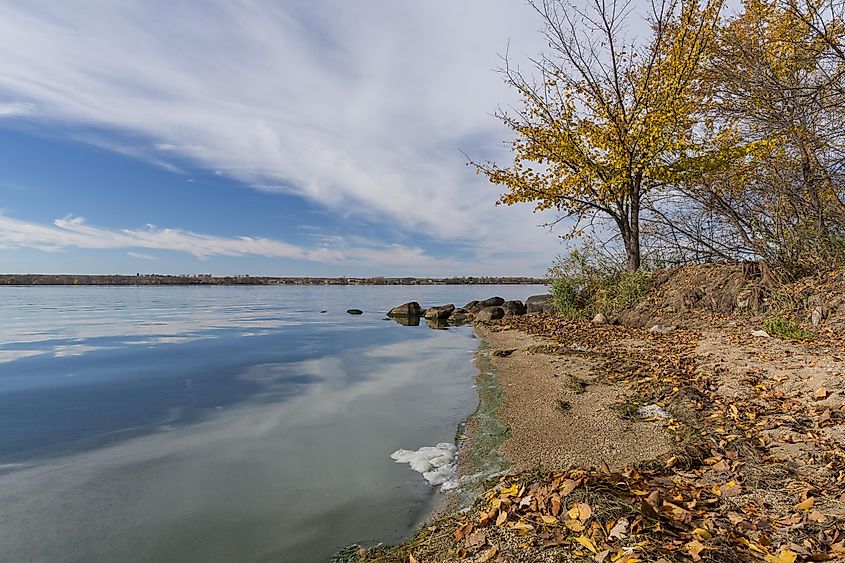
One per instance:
(604,122)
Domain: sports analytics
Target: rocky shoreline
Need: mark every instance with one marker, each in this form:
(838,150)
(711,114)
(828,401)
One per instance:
(490,309)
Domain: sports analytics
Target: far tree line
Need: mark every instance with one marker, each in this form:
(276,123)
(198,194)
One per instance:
(717,137)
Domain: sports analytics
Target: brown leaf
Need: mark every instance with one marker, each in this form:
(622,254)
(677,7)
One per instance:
(694,548)
(461,532)
(555,506)
(501,518)
(584,511)
(820,394)
(476,539)
(568,486)
(489,554)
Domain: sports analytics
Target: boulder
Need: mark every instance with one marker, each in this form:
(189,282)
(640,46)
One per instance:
(459,313)
(490,314)
(540,304)
(411,309)
(490,302)
(470,305)
(600,319)
(513,308)
(355,311)
(662,329)
(441,312)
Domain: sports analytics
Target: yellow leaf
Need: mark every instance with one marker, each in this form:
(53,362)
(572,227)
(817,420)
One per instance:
(500,519)
(785,556)
(806,505)
(587,542)
(574,525)
(548,519)
(412,559)
(702,534)
(573,512)
(509,491)
(694,548)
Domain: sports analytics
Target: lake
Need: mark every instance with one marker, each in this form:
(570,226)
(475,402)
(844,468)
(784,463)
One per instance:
(221,424)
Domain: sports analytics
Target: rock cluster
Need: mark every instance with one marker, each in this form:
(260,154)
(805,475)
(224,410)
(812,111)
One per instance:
(486,310)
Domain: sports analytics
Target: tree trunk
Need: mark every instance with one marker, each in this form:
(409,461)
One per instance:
(631,227)
(632,250)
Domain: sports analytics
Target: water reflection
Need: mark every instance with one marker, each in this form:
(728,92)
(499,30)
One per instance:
(156,436)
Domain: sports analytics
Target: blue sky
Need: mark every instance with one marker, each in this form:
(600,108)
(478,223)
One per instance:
(275,138)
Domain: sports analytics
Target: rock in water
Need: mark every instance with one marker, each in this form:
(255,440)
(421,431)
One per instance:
(355,311)
(441,312)
(470,305)
(411,309)
(539,304)
(490,314)
(459,316)
(514,308)
(489,302)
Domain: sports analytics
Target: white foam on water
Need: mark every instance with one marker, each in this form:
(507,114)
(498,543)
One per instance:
(438,464)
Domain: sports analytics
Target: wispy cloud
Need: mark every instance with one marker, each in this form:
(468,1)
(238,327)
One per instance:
(362,107)
(140,256)
(75,232)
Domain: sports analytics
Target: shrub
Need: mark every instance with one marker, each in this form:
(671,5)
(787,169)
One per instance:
(582,286)
(786,328)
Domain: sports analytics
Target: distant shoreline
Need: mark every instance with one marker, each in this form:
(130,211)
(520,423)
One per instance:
(202,279)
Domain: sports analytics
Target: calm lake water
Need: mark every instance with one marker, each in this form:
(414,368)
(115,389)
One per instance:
(206,424)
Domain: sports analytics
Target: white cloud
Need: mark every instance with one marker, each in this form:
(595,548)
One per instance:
(362,107)
(75,232)
(15,109)
(140,256)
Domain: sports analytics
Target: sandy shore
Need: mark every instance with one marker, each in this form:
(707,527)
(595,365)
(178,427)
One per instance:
(558,414)
(749,464)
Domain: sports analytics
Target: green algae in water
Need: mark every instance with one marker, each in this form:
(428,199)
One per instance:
(480,459)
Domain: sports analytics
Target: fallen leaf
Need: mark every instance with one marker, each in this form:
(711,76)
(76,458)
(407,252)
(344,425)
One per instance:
(501,518)
(412,559)
(555,506)
(509,491)
(785,556)
(587,542)
(548,519)
(476,539)
(489,554)
(574,525)
(702,534)
(806,505)
(584,511)
(461,532)
(568,486)
(694,548)
(619,530)
(820,394)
